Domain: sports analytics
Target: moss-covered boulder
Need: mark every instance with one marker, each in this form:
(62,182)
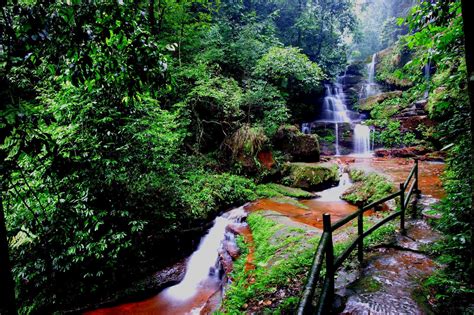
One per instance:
(369,103)
(368,187)
(312,176)
(295,145)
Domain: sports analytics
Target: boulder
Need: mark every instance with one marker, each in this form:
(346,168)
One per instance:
(402,152)
(355,68)
(369,103)
(413,122)
(311,176)
(296,145)
(232,249)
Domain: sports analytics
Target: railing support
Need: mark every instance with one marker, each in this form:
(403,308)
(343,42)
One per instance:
(360,231)
(416,190)
(402,206)
(330,272)
(325,247)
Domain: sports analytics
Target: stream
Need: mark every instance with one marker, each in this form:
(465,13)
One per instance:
(201,289)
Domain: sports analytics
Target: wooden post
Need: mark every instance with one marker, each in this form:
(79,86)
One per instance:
(417,191)
(402,206)
(360,231)
(330,272)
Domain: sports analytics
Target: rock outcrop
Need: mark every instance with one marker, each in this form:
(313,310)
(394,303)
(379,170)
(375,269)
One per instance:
(297,146)
(311,176)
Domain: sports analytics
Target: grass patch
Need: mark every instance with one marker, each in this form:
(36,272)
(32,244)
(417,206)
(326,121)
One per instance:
(282,259)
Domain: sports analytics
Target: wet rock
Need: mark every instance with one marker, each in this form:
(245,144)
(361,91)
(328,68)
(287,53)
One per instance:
(296,145)
(402,152)
(352,79)
(173,274)
(235,228)
(313,176)
(411,123)
(355,69)
(421,104)
(437,156)
(232,249)
(226,261)
(327,137)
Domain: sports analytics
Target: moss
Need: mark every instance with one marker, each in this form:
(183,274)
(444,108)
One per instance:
(281,260)
(368,188)
(389,65)
(370,102)
(277,190)
(311,176)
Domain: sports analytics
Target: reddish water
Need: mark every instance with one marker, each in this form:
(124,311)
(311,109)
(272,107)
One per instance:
(399,168)
(163,305)
(245,231)
(311,216)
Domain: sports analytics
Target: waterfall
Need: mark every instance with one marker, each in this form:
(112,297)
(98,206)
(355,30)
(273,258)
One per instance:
(203,263)
(427,73)
(306,128)
(361,139)
(334,107)
(370,88)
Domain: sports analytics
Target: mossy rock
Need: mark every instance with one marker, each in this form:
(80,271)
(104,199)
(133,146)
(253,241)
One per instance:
(369,103)
(277,190)
(368,187)
(296,145)
(313,176)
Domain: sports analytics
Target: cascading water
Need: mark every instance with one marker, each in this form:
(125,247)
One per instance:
(201,287)
(203,263)
(370,88)
(335,110)
(427,73)
(361,140)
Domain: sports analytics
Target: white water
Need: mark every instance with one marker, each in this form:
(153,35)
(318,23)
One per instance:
(202,265)
(361,140)
(334,194)
(426,72)
(306,128)
(335,110)
(370,88)
(334,107)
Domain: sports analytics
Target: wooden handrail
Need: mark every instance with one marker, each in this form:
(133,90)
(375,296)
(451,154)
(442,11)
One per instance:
(325,247)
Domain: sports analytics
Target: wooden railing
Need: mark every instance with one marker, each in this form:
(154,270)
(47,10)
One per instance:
(325,249)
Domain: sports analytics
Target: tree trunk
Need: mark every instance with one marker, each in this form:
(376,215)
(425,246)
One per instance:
(7,287)
(151,13)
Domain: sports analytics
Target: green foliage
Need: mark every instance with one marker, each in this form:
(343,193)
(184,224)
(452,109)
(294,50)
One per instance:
(290,70)
(391,136)
(204,194)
